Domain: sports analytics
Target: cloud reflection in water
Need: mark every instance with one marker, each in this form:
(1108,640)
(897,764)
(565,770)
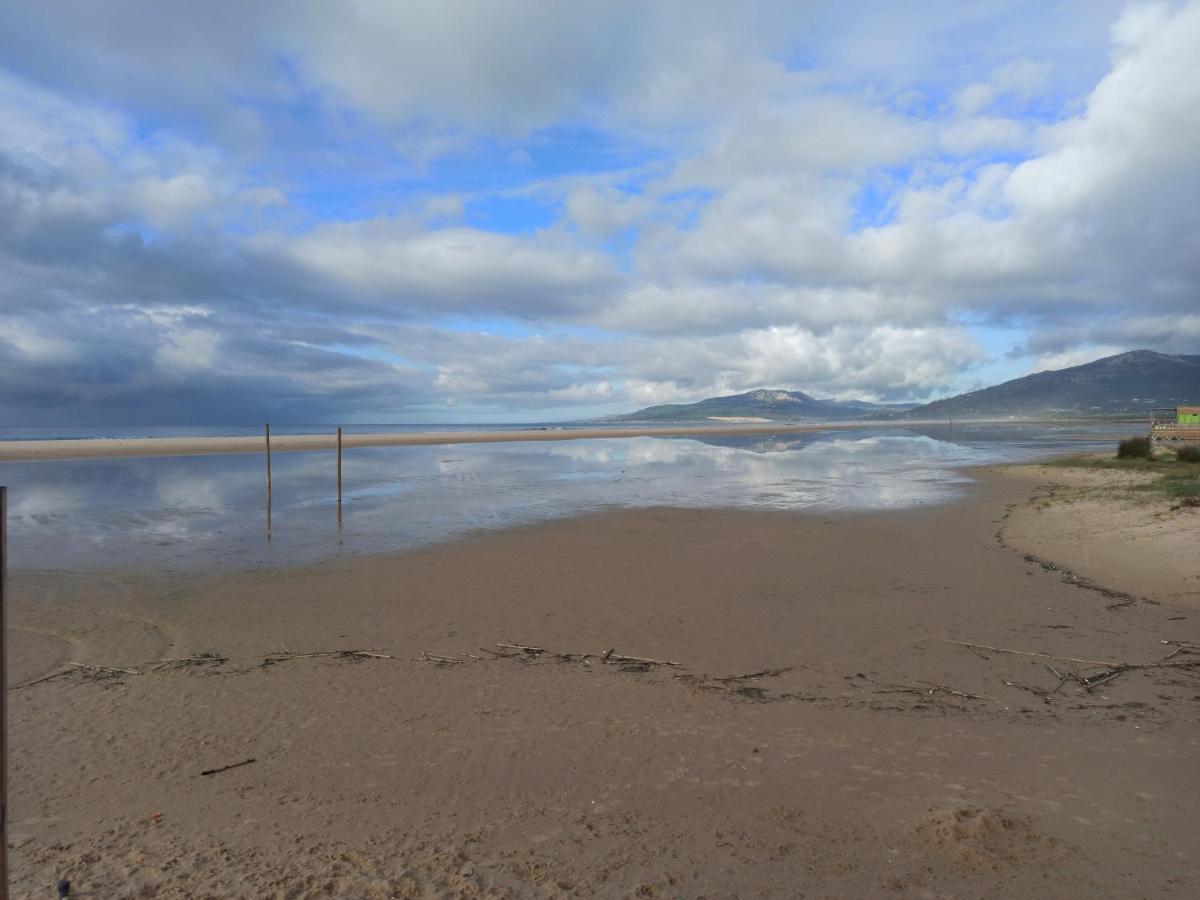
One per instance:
(188,512)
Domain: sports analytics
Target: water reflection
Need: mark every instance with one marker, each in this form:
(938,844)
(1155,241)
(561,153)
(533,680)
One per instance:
(210,510)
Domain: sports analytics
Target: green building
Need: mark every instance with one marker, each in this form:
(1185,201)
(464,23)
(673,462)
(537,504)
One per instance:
(1175,423)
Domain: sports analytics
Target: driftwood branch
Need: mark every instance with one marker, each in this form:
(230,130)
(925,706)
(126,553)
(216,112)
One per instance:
(1045,697)
(438,660)
(1180,647)
(1062,679)
(112,670)
(616,657)
(50,677)
(765,673)
(969,645)
(928,690)
(523,648)
(345,654)
(609,656)
(244,762)
(1090,682)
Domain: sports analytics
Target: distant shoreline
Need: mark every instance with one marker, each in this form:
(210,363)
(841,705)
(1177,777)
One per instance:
(100,448)
(106,448)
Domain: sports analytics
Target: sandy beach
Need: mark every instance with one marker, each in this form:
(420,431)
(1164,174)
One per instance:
(715,703)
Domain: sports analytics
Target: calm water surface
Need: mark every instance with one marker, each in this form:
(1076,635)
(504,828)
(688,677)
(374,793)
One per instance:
(187,512)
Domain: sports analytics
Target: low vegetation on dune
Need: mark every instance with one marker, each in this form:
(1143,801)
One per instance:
(1171,473)
(1135,448)
(1189,453)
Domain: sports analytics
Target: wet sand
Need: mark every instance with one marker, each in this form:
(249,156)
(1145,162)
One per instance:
(819,737)
(99,448)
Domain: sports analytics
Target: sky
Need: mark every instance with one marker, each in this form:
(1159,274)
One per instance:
(453,211)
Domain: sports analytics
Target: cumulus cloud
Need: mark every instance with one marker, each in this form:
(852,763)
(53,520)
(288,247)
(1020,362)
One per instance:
(377,209)
(408,269)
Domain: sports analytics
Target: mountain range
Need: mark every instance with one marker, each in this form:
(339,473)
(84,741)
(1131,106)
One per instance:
(1128,383)
(775,405)
(1125,384)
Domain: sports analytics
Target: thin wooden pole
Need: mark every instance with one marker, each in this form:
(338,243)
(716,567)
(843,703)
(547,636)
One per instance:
(3,693)
(339,472)
(267,438)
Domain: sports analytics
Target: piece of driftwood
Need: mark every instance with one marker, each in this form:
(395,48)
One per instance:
(345,654)
(1045,698)
(523,648)
(977,652)
(1094,681)
(932,688)
(438,660)
(640,660)
(44,678)
(929,689)
(196,659)
(968,644)
(1062,679)
(1180,647)
(244,762)
(765,673)
(1090,682)
(609,656)
(112,670)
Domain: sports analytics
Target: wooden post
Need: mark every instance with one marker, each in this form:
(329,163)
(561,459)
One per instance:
(339,472)
(3,694)
(267,438)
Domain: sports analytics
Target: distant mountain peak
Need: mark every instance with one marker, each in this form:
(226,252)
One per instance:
(768,395)
(768,404)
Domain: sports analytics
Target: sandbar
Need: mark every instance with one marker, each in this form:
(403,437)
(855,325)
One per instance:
(97,448)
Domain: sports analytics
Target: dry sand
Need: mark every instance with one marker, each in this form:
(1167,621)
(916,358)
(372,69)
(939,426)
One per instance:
(819,739)
(96,448)
(1135,543)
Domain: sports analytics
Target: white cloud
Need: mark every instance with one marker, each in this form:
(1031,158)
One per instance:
(1077,357)
(187,350)
(602,212)
(396,265)
(974,98)
(175,201)
(972,135)
(34,344)
(804,197)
